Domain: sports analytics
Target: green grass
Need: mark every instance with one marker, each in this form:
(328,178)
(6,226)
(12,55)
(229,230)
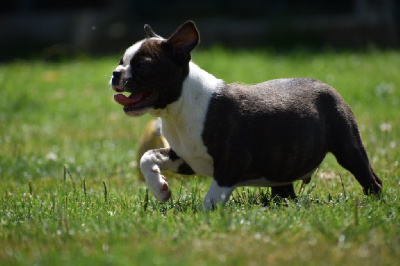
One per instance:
(69,192)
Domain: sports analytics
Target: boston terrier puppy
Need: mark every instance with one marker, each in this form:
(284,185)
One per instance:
(268,134)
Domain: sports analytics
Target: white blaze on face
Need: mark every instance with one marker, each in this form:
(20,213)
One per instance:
(129,54)
(125,67)
(131,51)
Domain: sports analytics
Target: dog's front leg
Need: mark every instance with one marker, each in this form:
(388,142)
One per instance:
(155,161)
(216,195)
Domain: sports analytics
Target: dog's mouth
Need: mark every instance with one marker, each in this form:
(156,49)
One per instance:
(136,101)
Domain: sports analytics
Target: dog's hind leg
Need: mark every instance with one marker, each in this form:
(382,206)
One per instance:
(155,161)
(285,192)
(351,154)
(354,159)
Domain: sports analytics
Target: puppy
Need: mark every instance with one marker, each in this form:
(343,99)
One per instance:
(268,134)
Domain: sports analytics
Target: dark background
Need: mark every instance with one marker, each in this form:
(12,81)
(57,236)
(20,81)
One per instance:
(50,28)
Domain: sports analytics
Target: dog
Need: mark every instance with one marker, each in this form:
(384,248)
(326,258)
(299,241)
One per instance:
(269,134)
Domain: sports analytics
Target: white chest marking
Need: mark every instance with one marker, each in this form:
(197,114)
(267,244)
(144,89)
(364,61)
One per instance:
(183,120)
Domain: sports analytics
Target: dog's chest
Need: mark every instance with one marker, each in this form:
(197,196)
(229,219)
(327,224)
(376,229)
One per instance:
(186,141)
(183,121)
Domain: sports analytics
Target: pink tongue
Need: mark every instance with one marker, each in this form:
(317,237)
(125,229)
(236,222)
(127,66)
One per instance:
(123,100)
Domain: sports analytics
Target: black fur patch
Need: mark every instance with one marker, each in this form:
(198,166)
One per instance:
(281,130)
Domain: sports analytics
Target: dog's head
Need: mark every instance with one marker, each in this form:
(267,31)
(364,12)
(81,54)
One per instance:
(153,70)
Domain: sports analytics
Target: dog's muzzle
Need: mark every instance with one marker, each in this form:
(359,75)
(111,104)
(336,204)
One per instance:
(116,78)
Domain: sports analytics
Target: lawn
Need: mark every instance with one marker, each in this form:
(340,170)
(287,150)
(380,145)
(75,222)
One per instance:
(69,192)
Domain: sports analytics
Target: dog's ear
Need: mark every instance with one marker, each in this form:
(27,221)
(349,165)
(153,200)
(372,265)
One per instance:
(149,32)
(184,40)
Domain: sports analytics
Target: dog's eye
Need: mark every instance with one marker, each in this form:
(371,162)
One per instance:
(121,62)
(140,65)
(144,63)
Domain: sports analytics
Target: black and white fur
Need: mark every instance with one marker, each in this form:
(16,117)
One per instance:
(268,134)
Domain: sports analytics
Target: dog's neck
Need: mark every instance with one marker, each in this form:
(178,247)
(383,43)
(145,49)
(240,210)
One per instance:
(197,89)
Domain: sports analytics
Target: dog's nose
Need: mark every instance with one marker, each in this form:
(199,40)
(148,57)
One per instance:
(117,74)
(116,77)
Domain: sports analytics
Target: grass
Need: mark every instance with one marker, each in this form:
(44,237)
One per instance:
(69,192)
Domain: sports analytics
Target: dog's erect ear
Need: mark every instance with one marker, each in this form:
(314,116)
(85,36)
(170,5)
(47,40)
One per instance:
(149,32)
(184,39)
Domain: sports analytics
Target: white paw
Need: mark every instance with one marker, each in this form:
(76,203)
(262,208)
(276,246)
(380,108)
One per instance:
(216,195)
(157,184)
